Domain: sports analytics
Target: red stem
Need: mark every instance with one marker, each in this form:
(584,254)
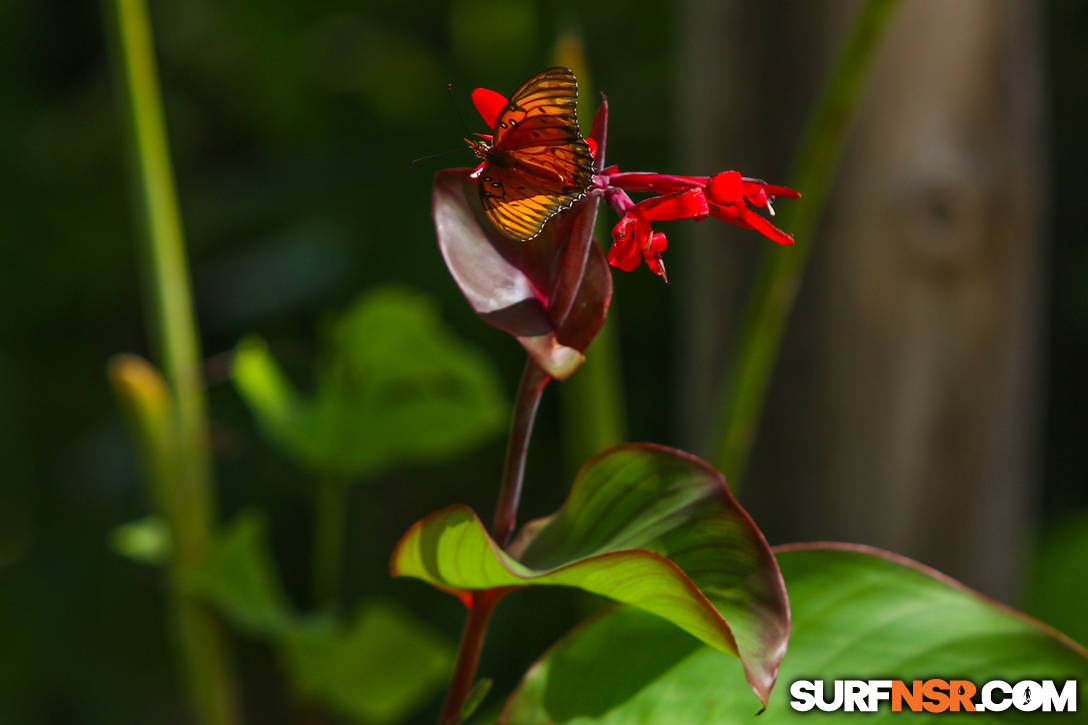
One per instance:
(652,182)
(468,655)
(533,382)
(482,603)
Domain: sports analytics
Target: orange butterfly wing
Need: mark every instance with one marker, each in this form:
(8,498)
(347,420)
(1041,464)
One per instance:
(539,163)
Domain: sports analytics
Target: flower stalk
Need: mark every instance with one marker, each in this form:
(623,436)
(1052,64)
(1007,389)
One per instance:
(482,603)
(571,290)
(530,391)
(468,654)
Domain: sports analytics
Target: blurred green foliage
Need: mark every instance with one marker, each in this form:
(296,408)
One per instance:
(392,387)
(240,579)
(376,668)
(146,540)
(291,127)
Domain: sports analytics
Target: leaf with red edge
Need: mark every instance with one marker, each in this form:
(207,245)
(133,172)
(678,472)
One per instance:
(551,292)
(644,525)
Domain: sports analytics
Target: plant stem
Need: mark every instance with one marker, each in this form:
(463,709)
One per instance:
(468,654)
(330,525)
(530,390)
(780,270)
(173,327)
(482,603)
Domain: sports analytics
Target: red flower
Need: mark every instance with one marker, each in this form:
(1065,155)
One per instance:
(727,196)
(730,194)
(633,239)
(489,104)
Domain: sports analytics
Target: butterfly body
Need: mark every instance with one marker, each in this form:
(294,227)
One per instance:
(536,163)
(498,158)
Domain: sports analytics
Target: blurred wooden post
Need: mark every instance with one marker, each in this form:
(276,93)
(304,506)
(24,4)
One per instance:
(904,409)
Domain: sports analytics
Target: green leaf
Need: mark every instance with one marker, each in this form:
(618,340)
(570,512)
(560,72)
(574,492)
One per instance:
(146,540)
(644,525)
(858,613)
(377,670)
(267,391)
(240,579)
(1058,586)
(392,387)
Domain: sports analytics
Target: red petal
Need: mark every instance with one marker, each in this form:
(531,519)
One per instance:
(656,264)
(658,242)
(592,143)
(489,104)
(643,232)
(729,213)
(677,205)
(725,188)
(624,253)
(773,190)
(624,256)
(755,195)
(742,216)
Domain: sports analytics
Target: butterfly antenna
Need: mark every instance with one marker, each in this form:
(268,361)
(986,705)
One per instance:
(461,118)
(433,156)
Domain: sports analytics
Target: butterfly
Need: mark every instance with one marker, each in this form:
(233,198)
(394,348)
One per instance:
(536,163)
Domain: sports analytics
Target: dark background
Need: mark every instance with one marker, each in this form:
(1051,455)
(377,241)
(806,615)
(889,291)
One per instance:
(292,125)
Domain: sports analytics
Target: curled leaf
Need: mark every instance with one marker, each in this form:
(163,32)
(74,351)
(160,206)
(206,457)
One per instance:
(644,525)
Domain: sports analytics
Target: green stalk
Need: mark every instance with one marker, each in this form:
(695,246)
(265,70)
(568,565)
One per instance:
(592,402)
(780,270)
(173,327)
(330,526)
